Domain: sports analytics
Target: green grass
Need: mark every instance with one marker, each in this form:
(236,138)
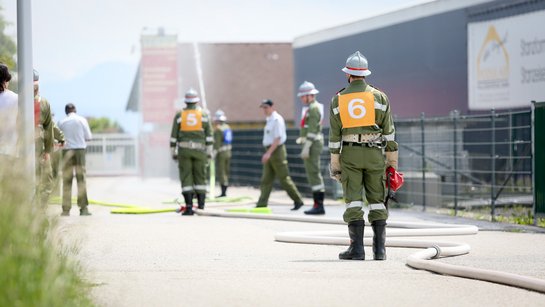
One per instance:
(34,269)
(515,214)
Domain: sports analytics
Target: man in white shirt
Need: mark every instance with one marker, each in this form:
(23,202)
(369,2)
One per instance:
(76,133)
(8,117)
(274,159)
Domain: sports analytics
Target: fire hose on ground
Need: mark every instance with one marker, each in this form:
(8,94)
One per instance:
(433,249)
(420,260)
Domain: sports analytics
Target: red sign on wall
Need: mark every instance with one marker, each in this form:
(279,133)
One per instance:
(159,78)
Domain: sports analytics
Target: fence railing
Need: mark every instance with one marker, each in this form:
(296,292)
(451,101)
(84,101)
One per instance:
(112,154)
(451,162)
(246,167)
(477,160)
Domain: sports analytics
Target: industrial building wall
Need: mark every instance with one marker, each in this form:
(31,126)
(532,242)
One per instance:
(238,76)
(421,64)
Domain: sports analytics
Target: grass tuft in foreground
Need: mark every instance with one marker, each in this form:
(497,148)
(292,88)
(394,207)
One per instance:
(34,270)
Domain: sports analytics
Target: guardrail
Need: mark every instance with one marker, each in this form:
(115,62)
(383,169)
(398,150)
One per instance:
(112,155)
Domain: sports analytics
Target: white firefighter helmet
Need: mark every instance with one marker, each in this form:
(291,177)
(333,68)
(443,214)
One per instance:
(220,116)
(307,88)
(191,96)
(356,65)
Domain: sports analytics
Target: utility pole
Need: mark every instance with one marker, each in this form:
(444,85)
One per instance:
(26,87)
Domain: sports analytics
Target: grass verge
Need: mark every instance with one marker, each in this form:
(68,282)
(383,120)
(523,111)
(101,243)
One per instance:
(35,270)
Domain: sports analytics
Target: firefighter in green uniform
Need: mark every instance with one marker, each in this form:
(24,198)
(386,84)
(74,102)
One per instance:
(191,144)
(361,133)
(223,137)
(274,160)
(56,157)
(43,136)
(312,139)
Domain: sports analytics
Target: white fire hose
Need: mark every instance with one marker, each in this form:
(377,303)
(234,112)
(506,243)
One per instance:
(419,260)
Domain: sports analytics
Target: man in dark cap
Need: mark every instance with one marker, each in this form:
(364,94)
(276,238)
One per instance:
(274,159)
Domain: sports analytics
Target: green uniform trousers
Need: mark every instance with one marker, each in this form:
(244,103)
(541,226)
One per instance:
(312,167)
(44,177)
(362,176)
(277,166)
(73,159)
(223,164)
(192,164)
(56,158)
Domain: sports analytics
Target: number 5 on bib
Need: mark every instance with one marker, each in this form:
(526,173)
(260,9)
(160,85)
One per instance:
(357,109)
(191,120)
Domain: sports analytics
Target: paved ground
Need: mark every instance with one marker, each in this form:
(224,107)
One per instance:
(169,260)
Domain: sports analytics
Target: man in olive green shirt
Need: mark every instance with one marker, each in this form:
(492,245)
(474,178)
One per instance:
(361,127)
(312,139)
(43,136)
(191,145)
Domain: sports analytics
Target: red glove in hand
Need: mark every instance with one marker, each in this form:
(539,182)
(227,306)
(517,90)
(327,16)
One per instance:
(394,180)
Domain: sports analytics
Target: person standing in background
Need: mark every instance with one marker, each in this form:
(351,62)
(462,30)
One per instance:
(8,117)
(76,133)
(274,160)
(191,144)
(223,137)
(312,139)
(43,136)
(56,157)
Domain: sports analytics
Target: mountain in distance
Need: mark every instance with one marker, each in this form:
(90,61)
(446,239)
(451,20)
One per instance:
(102,91)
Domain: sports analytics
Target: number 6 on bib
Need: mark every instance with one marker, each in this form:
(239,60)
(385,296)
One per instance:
(357,109)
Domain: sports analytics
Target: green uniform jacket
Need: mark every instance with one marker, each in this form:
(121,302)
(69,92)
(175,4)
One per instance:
(384,123)
(46,123)
(58,135)
(312,127)
(218,135)
(204,135)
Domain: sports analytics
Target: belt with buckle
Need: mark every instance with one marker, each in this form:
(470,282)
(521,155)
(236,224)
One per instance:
(191,145)
(364,144)
(224,148)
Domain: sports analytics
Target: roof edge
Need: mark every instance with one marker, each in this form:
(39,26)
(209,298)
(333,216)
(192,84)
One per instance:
(384,20)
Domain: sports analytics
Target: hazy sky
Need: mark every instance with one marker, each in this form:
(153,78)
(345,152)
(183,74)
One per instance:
(72,36)
(87,51)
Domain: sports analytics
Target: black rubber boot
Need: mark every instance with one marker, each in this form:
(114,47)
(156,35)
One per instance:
(379,239)
(223,191)
(84,211)
(355,251)
(188,198)
(318,207)
(297,206)
(200,200)
(65,211)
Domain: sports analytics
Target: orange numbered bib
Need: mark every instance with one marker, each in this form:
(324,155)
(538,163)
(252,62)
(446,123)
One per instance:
(191,120)
(357,109)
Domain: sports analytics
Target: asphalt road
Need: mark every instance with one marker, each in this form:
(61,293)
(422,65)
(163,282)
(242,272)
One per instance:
(170,260)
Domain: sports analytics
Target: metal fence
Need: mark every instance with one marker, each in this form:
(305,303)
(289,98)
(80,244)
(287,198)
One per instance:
(112,154)
(451,162)
(246,167)
(467,161)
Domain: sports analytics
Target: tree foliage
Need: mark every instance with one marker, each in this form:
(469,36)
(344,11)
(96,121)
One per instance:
(7,45)
(104,125)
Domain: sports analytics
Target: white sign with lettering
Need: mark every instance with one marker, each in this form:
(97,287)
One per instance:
(506,62)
